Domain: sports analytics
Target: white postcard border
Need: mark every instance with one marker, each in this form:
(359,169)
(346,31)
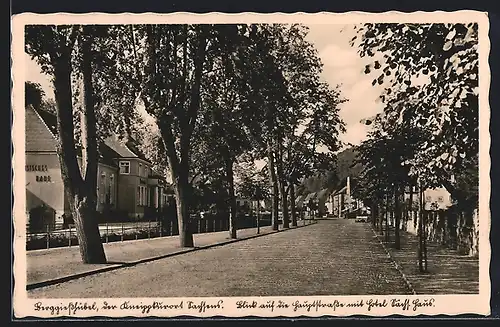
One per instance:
(441,304)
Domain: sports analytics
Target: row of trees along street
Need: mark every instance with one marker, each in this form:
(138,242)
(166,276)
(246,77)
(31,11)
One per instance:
(219,97)
(427,135)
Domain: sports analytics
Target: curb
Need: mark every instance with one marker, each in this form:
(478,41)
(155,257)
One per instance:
(67,278)
(396,265)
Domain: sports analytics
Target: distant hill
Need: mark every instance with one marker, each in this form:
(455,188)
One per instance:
(345,166)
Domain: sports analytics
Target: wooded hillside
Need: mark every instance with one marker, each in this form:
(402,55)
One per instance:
(345,165)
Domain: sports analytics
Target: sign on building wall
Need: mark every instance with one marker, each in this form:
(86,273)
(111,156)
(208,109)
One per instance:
(36,168)
(41,178)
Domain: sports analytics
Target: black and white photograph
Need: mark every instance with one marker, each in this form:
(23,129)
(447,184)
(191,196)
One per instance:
(278,165)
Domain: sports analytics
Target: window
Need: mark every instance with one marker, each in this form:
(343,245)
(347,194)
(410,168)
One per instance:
(111,188)
(142,195)
(102,188)
(125,167)
(160,197)
(139,170)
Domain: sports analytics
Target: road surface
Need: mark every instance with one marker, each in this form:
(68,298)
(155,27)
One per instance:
(332,257)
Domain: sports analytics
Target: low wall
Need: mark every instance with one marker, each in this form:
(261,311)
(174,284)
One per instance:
(455,230)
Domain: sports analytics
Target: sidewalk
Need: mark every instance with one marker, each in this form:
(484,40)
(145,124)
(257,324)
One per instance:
(448,272)
(51,266)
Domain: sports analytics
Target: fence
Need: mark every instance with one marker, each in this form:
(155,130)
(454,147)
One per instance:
(64,235)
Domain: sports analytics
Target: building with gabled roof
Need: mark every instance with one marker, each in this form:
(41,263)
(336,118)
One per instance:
(322,200)
(341,202)
(126,179)
(299,201)
(310,197)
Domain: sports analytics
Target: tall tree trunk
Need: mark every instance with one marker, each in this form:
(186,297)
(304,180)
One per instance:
(179,170)
(87,206)
(181,191)
(284,205)
(81,191)
(88,126)
(420,228)
(424,239)
(292,202)
(232,198)
(380,217)
(87,229)
(274,188)
(179,165)
(229,172)
(397,221)
(283,186)
(387,236)
(411,203)
(373,215)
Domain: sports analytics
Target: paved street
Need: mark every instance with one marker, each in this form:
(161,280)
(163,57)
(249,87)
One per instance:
(49,264)
(333,257)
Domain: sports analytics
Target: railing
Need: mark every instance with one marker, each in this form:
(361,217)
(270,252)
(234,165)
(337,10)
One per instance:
(64,235)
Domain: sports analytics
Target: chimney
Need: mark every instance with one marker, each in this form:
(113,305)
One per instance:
(348,186)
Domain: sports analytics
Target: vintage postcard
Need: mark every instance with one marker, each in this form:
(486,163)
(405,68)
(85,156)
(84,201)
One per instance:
(264,165)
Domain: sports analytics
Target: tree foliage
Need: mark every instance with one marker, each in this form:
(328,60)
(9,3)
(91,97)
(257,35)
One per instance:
(215,96)
(430,74)
(33,94)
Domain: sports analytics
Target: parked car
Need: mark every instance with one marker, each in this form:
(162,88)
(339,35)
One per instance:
(361,218)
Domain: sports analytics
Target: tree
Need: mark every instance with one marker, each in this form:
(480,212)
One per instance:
(315,139)
(33,94)
(432,72)
(88,92)
(383,155)
(150,144)
(302,112)
(230,123)
(53,48)
(49,105)
(265,93)
(252,184)
(172,66)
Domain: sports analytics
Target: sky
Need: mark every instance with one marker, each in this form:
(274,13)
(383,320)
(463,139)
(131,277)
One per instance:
(342,66)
